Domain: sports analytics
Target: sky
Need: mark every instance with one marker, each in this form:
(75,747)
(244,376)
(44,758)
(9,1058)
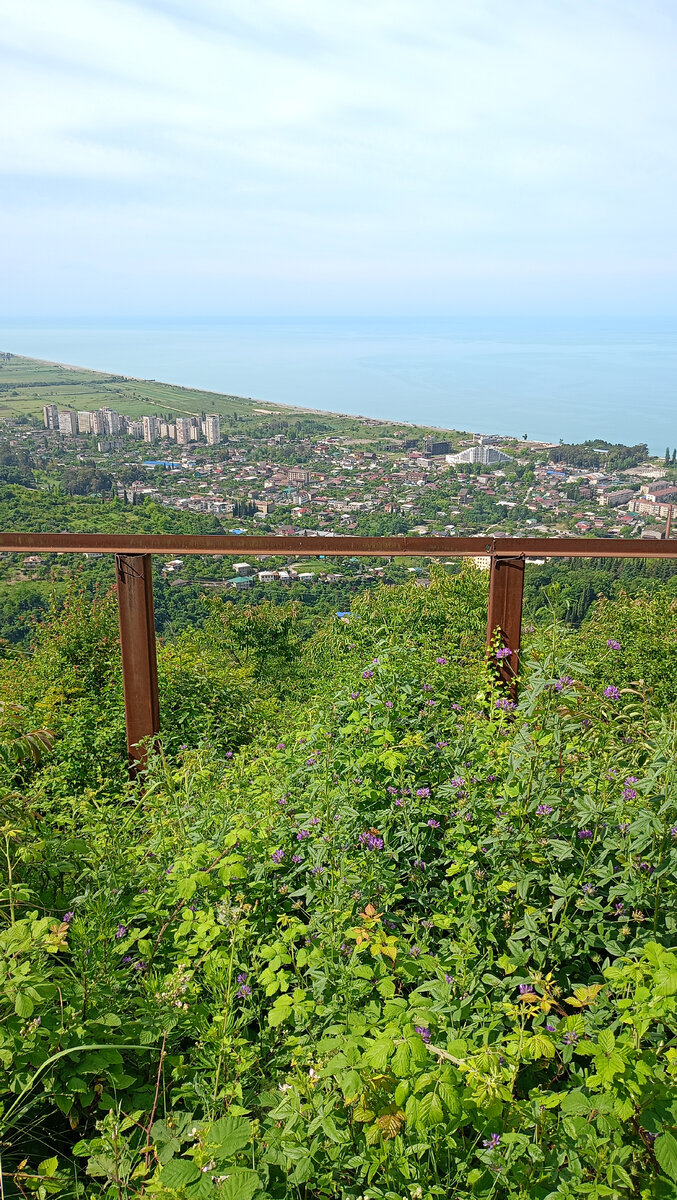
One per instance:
(178,158)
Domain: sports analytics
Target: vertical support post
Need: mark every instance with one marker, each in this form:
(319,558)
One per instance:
(506,589)
(137,642)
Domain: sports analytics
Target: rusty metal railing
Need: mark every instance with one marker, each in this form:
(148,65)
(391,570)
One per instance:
(133,565)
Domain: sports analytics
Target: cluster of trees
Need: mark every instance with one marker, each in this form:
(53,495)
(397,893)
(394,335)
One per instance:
(598,454)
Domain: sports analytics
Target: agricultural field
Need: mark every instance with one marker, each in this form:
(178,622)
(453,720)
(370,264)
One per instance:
(364,929)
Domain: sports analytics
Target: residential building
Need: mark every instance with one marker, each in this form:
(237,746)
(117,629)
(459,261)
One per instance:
(213,429)
(150,429)
(85,421)
(298,475)
(431,446)
(50,416)
(183,430)
(480,453)
(68,423)
(614,499)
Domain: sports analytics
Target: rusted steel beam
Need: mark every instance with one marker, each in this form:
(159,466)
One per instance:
(504,622)
(426,547)
(137,644)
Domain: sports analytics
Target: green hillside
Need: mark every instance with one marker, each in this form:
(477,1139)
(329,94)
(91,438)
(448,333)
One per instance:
(363,929)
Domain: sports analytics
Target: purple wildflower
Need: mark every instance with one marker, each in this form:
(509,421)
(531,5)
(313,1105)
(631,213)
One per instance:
(673,831)
(128,958)
(281,746)
(612,693)
(448,978)
(242,977)
(68,917)
(562,682)
(120,931)
(440,745)
(317,870)
(585,834)
(619,907)
(391,789)
(570,1037)
(389,704)
(433,823)
(423,1032)
(415,952)
(588,889)
(441,662)
(302,835)
(423,792)
(544,810)
(297,858)
(367,674)
(526,989)
(493,1142)
(613,644)
(419,864)
(427,687)
(505,704)
(354,695)
(371,840)
(629,793)
(503,652)
(243,991)
(278,855)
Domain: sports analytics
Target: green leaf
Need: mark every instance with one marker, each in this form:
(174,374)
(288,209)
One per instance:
(240,1185)
(606,1041)
(229,1135)
(430,1111)
(179,1172)
(401,1060)
(574,1104)
(665,1149)
(23,1006)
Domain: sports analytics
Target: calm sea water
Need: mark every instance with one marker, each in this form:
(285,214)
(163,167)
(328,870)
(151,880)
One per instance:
(548,379)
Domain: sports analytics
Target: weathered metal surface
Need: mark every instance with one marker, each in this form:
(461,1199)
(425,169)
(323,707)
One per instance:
(427,547)
(504,621)
(137,644)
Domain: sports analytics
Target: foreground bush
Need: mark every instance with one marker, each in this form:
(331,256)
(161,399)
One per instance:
(392,949)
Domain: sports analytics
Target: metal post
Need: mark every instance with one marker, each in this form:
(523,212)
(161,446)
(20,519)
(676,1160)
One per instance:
(137,643)
(506,589)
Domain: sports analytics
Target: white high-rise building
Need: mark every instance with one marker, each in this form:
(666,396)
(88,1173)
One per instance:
(479,454)
(68,423)
(150,429)
(213,429)
(98,422)
(50,415)
(135,430)
(85,421)
(183,426)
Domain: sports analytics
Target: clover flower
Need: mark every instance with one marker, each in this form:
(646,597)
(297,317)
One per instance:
(420,864)
(302,835)
(433,823)
(585,834)
(415,952)
(68,917)
(503,652)
(281,746)
(440,745)
(423,792)
(371,840)
(544,810)
(588,889)
(277,856)
(317,870)
(613,644)
(243,991)
(391,789)
(441,662)
(570,1037)
(354,695)
(448,978)
(505,704)
(120,931)
(423,1032)
(367,674)
(389,704)
(493,1142)
(612,693)
(526,989)
(562,682)
(297,858)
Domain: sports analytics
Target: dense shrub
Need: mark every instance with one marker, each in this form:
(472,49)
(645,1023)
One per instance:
(405,942)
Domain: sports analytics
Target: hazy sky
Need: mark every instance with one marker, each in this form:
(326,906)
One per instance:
(193,157)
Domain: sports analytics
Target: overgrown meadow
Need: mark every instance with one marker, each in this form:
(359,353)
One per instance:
(364,929)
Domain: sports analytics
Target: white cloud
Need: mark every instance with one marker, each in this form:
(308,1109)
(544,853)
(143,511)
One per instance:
(401,144)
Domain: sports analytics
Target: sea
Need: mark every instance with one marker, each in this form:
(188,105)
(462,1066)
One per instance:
(548,378)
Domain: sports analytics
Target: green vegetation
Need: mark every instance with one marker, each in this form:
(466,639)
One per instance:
(363,930)
(599,454)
